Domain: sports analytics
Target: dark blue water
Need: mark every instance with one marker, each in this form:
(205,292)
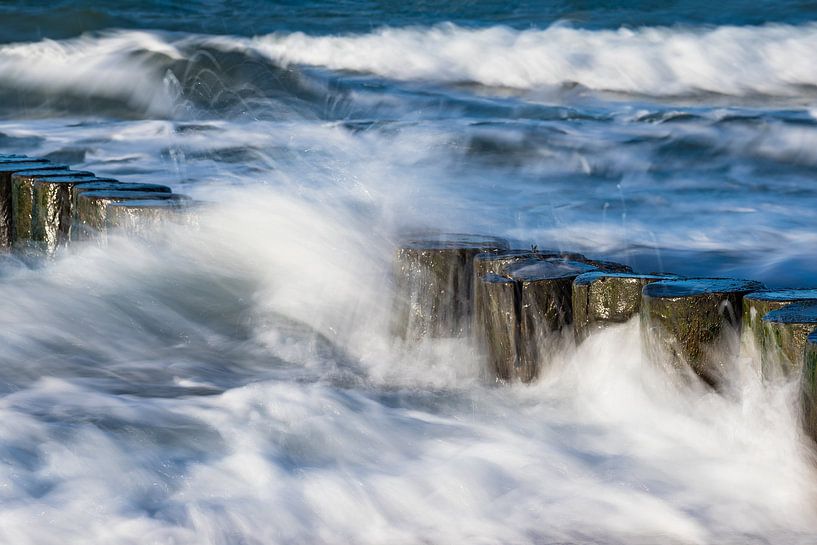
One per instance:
(65,19)
(235,382)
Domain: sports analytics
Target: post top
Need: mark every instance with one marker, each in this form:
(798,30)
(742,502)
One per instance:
(530,270)
(115,185)
(690,287)
(789,294)
(28,165)
(804,312)
(588,278)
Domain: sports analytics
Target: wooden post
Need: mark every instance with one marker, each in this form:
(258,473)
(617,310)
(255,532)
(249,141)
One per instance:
(694,323)
(545,307)
(7,168)
(601,298)
(433,280)
(785,331)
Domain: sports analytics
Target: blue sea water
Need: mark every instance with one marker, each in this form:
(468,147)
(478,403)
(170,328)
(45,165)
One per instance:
(236,382)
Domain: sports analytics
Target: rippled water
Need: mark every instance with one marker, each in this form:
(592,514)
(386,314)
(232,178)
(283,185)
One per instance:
(236,382)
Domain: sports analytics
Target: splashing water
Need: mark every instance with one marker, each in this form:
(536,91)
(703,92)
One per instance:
(237,381)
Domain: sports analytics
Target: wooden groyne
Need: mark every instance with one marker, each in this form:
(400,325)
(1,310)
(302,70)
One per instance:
(523,305)
(44,205)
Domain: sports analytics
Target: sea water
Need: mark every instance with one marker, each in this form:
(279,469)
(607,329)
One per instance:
(236,381)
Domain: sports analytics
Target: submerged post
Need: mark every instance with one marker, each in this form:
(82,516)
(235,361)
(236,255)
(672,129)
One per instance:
(433,281)
(694,323)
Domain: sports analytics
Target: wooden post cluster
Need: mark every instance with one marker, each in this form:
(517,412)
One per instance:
(521,302)
(45,205)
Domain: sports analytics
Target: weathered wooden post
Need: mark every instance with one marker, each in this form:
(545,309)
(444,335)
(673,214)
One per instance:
(41,207)
(141,217)
(433,281)
(91,199)
(544,288)
(500,326)
(494,263)
(756,334)
(7,168)
(784,333)
(694,323)
(808,386)
(601,298)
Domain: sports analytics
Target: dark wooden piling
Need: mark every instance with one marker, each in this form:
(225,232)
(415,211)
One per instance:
(694,323)
(602,297)
(500,324)
(433,281)
(545,307)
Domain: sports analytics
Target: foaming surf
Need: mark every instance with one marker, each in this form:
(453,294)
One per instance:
(235,383)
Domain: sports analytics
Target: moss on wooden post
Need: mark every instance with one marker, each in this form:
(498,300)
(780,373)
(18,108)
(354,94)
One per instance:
(692,322)
(7,168)
(601,298)
(755,307)
(41,207)
(784,332)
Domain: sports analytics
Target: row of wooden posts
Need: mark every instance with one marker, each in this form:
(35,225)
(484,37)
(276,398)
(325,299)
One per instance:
(44,205)
(524,305)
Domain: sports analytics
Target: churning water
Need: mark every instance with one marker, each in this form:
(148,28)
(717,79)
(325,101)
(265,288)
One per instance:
(235,382)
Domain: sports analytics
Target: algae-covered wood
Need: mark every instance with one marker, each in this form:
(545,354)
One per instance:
(7,169)
(784,332)
(41,204)
(602,297)
(754,334)
(693,323)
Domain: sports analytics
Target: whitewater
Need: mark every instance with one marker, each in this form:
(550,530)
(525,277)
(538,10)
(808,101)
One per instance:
(236,382)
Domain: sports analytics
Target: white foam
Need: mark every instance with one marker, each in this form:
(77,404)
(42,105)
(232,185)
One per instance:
(114,66)
(770,60)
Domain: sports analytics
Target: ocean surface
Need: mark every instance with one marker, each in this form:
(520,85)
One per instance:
(236,383)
